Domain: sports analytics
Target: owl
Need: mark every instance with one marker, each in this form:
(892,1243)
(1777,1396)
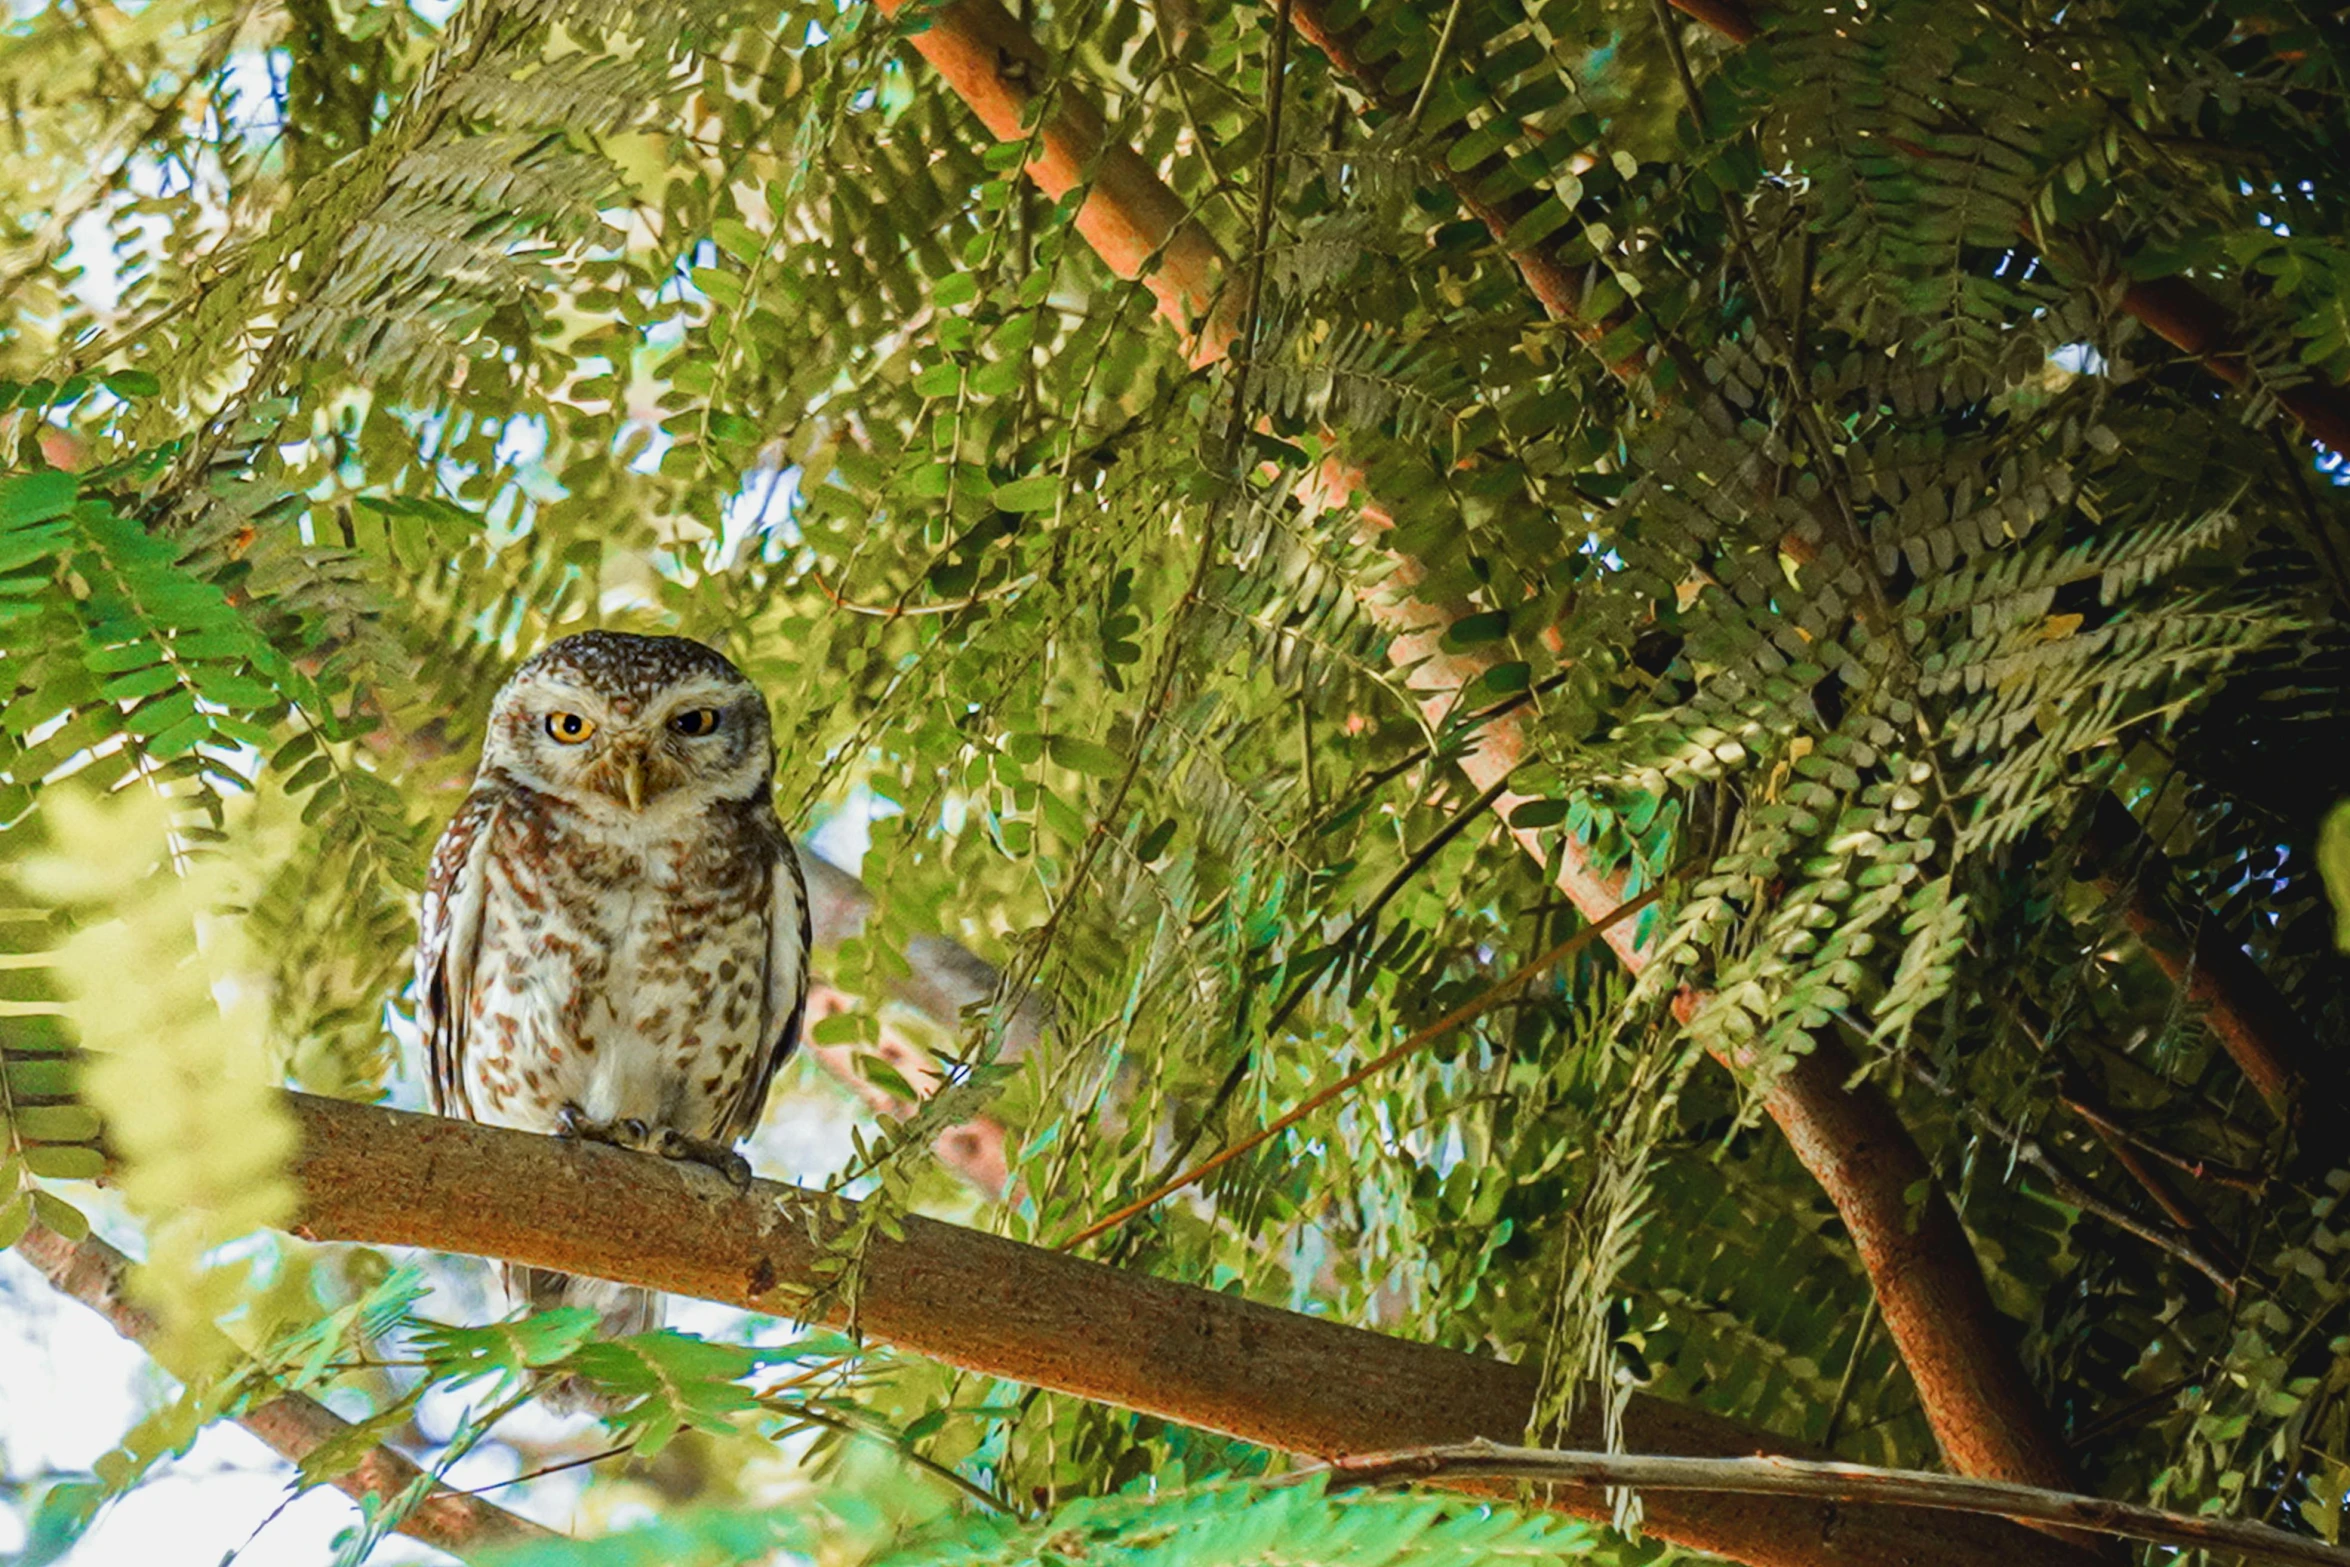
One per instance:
(615,929)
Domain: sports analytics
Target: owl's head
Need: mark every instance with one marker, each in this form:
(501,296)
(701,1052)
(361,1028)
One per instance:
(618,722)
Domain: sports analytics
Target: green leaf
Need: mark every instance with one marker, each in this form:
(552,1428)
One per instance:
(347,1449)
(2333,865)
(128,384)
(34,497)
(64,1162)
(507,1348)
(55,1123)
(878,1071)
(1037,492)
(58,1214)
(1084,756)
(1475,630)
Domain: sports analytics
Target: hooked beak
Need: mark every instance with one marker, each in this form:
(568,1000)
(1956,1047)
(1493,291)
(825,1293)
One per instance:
(632,779)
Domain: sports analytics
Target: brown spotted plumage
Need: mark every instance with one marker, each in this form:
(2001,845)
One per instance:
(615,931)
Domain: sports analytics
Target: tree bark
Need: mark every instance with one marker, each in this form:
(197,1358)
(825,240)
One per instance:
(1301,1384)
(294,1425)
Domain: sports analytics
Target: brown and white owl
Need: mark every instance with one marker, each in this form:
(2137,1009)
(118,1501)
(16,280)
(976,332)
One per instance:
(615,931)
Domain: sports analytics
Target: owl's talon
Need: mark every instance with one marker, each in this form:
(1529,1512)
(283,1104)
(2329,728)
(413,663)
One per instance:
(707,1151)
(625,1132)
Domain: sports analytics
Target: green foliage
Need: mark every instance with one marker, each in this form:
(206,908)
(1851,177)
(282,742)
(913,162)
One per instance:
(170,1067)
(1853,544)
(1206,1525)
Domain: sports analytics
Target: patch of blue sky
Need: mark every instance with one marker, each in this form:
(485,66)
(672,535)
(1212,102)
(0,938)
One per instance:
(761,516)
(255,83)
(2079,358)
(657,444)
(844,833)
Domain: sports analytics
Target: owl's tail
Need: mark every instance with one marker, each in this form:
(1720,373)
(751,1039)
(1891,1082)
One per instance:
(620,1309)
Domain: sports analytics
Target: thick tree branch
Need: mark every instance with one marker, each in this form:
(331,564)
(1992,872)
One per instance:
(1837,1482)
(295,1425)
(1301,1384)
(1139,227)
(1979,1401)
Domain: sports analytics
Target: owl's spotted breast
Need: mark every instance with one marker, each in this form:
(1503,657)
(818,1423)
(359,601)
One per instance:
(624,973)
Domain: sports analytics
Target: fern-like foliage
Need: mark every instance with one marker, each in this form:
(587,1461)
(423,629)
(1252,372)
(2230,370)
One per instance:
(1850,551)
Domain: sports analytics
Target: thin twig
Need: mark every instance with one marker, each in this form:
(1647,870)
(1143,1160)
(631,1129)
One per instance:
(1472,724)
(1467,1012)
(1860,1343)
(2321,538)
(1414,863)
(1838,1482)
(1012,990)
(2071,1189)
(792,1409)
(1452,20)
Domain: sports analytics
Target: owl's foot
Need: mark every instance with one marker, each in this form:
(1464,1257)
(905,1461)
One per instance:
(666,1142)
(705,1151)
(620,1132)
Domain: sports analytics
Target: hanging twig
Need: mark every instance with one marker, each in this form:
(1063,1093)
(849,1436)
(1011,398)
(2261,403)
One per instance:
(1838,1482)
(2071,1189)
(1417,861)
(1418,1041)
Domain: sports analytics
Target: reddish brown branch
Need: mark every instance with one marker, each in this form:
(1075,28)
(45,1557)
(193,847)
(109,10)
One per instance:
(1300,1384)
(1960,1354)
(1139,227)
(1727,17)
(294,1425)
(1984,1411)
(2182,315)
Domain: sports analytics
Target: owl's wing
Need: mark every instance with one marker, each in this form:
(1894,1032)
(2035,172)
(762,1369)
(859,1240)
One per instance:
(786,1001)
(450,935)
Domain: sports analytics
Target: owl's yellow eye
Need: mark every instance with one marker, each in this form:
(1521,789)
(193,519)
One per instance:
(695,722)
(569,728)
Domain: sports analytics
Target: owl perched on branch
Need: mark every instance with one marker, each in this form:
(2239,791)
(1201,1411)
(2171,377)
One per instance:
(615,931)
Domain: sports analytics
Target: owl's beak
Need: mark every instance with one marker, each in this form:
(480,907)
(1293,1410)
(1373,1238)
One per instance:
(632,779)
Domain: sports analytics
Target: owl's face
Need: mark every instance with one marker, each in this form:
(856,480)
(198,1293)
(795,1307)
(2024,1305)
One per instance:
(629,725)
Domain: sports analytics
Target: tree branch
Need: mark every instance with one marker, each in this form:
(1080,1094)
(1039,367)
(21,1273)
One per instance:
(2252,1022)
(1837,1482)
(1300,1384)
(294,1425)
